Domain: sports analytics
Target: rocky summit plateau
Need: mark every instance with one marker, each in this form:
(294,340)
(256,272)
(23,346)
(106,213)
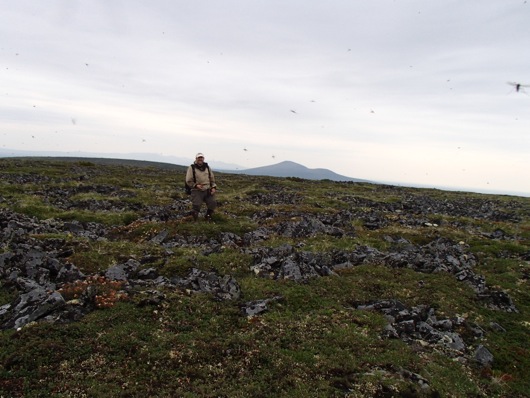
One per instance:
(296,288)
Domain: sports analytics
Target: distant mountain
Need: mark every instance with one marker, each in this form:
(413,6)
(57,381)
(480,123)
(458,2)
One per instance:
(292,169)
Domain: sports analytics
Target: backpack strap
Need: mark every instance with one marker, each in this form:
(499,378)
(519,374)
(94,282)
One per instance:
(209,173)
(194,178)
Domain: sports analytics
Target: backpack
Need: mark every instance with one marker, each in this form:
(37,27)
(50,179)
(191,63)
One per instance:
(187,187)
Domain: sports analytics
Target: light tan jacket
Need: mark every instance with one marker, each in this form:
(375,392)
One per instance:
(201,178)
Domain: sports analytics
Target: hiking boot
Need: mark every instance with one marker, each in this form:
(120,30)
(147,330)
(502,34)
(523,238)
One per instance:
(195,215)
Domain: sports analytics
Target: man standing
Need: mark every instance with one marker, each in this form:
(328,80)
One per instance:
(201,181)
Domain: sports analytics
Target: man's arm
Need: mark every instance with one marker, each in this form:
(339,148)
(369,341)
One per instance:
(189,177)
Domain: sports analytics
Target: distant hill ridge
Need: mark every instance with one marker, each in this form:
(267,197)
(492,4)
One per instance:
(282,169)
(106,161)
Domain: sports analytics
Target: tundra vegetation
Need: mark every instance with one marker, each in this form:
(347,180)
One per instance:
(298,288)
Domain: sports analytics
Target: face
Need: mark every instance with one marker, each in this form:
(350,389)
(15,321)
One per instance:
(199,160)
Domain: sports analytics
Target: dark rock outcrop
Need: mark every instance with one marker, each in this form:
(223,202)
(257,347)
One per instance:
(420,326)
(40,274)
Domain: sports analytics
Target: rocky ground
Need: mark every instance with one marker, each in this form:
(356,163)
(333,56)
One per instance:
(47,287)
(38,270)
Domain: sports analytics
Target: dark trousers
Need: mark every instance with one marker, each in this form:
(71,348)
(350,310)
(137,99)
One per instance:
(198,197)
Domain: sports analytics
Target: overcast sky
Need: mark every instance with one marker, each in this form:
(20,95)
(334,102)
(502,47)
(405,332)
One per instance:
(405,91)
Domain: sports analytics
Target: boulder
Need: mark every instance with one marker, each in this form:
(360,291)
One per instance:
(257,307)
(221,287)
(30,307)
(483,356)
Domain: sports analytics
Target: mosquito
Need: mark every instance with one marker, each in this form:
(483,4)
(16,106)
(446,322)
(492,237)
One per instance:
(518,86)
